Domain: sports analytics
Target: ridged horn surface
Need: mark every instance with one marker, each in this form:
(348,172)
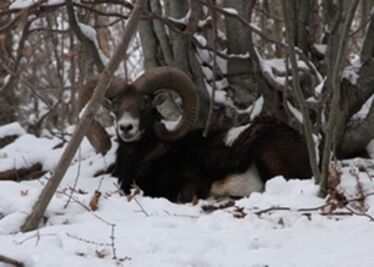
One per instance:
(176,80)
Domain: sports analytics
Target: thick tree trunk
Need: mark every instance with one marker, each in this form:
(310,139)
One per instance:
(239,69)
(148,42)
(352,138)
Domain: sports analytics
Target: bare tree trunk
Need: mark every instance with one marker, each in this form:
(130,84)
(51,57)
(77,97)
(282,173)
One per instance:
(240,70)
(148,42)
(87,117)
(162,36)
(335,61)
(277,32)
(8,102)
(308,129)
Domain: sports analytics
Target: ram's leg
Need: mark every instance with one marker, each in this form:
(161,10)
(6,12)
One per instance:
(194,186)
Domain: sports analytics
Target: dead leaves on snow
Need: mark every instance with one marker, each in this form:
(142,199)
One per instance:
(94,202)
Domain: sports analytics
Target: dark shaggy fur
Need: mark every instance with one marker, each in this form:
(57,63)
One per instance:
(188,167)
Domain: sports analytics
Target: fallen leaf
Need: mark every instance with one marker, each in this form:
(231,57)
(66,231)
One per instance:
(94,202)
(281,221)
(24,192)
(101,253)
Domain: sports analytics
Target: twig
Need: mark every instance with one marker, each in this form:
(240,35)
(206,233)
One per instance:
(37,236)
(113,242)
(258,213)
(112,226)
(220,206)
(181,215)
(141,207)
(371,218)
(85,240)
(11,261)
(28,85)
(72,189)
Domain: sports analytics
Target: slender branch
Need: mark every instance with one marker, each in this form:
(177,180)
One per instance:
(74,24)
(214,85)
(308,128)
(19,55)
(11,261)
(103,84)
(336,95)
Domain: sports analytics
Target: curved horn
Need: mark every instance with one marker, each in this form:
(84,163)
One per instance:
(176,80)
(97,135)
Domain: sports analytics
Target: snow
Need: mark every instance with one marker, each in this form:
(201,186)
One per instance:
(11,129)
(19,4)
(351,72)
(321,48)
(318,89)
(90,33)
(6,80)
(155,232)
(257,107)
(364,110)
(233,134)
(295,112)
(231,11)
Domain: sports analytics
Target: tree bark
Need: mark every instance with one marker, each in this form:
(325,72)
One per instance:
(338,43)
(308,129)
(148,41)
(162,36)
(8,101)
(239,70)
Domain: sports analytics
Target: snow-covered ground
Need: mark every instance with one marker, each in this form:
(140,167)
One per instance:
(284,226)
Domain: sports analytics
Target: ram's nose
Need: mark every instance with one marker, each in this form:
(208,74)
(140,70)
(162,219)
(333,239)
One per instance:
(126,128)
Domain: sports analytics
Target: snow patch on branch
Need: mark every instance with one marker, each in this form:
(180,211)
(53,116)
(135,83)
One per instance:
(91,34)
(19,4)
(231,11)
(321,48)
(318,89)
(295,112)
(10,129)
(234,133)
(351,72)
(242,56)
(183,20)
(257,107)
(364,111)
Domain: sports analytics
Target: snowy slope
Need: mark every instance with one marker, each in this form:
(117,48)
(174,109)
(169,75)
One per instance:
(155,232)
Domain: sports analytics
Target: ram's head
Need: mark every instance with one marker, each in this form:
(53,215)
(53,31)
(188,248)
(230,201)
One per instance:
(132,105)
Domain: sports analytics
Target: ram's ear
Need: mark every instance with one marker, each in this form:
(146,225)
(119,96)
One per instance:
(99,138)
